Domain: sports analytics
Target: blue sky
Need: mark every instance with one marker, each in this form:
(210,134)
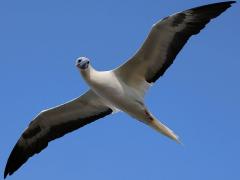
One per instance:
(198,97)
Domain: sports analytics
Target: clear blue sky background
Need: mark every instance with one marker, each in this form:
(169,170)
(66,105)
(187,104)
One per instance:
(198,97)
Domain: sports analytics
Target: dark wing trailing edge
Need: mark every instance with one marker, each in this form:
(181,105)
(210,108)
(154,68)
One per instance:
(166,39)
(54,123)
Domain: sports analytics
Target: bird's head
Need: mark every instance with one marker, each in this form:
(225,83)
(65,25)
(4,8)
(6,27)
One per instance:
(82,63)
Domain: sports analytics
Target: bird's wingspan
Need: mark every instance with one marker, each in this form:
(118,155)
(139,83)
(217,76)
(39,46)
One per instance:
(54,123)
(165,40)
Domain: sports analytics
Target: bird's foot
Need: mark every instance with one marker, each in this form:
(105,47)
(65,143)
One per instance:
(149,117)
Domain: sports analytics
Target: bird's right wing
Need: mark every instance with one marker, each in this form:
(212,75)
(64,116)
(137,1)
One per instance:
(54,123)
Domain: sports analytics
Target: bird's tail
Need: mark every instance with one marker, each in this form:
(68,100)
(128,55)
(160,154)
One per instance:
(160,127)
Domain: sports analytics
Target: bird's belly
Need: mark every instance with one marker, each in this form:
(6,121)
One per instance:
(115,94)
(123,102)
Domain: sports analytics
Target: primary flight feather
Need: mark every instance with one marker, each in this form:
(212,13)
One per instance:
(121,89)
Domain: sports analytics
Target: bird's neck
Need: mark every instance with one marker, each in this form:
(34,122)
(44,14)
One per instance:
(88,73)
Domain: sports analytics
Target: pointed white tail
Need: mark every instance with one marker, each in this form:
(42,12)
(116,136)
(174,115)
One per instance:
(157,125)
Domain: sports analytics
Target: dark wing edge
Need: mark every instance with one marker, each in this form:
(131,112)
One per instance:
(165,40)
(36,137)
(200,17)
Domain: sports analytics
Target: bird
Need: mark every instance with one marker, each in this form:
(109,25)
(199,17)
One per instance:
(119,90)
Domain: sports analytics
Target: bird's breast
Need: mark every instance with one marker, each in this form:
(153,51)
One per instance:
(112,90)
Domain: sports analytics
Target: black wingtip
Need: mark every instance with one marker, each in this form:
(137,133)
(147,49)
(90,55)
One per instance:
(6,172)
(224,5)
(226,2)
(16,159)
(230,2)
(5,175)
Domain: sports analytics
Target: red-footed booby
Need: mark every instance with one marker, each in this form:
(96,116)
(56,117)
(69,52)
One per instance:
(121,89)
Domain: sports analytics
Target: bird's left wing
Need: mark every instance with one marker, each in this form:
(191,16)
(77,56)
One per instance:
(165,40)
(54,123)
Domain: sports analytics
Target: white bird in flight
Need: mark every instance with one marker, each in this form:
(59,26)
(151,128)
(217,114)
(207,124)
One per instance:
(120,89)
